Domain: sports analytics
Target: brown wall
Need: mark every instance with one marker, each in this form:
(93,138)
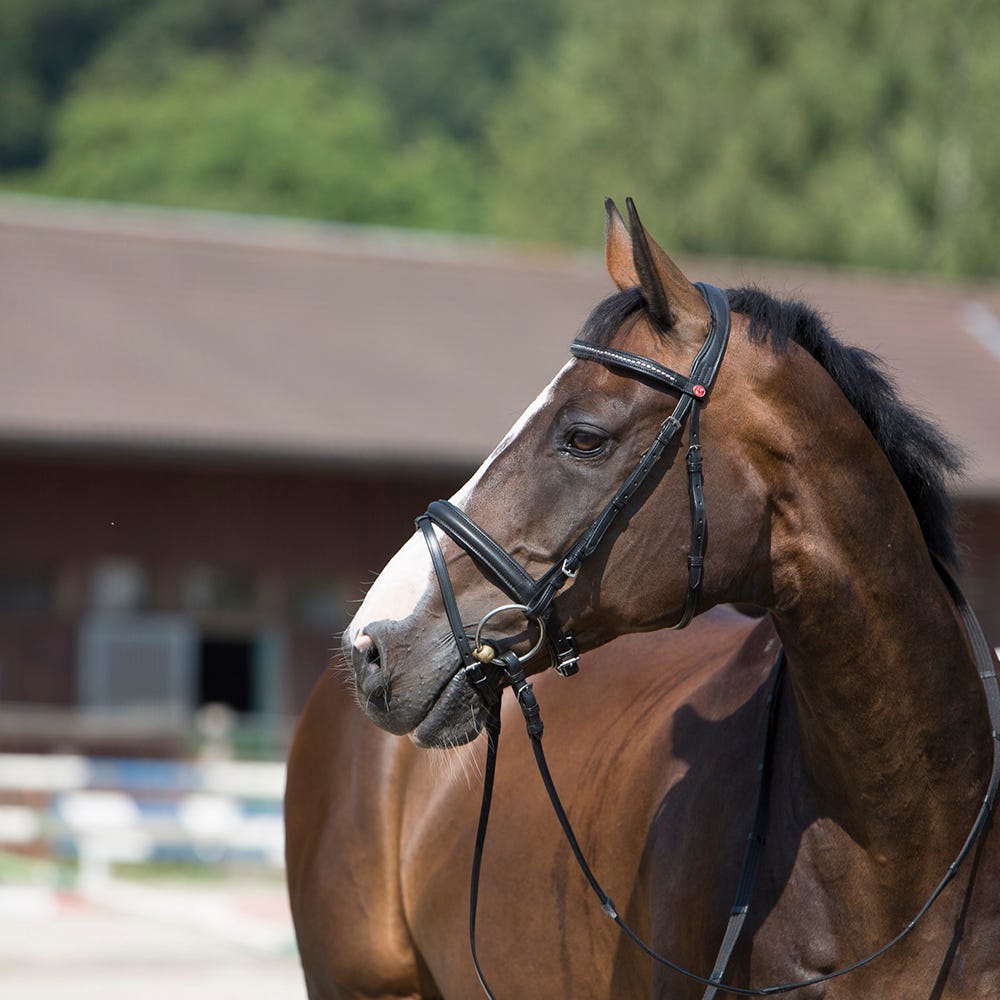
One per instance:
(281,527)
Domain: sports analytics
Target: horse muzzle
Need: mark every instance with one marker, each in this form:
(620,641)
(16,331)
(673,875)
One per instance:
(408,684)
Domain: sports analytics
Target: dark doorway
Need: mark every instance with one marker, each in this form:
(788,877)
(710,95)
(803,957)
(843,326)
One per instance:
(226,674)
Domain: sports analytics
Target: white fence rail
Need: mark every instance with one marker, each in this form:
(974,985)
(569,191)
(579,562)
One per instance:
(103,811)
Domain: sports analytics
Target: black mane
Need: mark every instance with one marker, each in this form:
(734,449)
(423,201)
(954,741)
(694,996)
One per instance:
(922,457)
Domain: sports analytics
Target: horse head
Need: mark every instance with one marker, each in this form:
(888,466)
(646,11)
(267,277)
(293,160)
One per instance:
(554,472)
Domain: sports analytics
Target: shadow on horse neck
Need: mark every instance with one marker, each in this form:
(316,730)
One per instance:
(890,709)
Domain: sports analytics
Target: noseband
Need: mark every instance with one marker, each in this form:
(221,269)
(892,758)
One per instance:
(535,598)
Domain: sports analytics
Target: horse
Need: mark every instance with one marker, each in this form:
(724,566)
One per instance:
(816,497)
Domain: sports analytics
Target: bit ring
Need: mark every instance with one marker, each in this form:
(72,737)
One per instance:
(511,607)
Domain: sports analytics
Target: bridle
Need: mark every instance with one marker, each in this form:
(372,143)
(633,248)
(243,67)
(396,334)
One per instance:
(534,599)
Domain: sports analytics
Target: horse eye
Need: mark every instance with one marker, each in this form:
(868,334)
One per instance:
(584,442)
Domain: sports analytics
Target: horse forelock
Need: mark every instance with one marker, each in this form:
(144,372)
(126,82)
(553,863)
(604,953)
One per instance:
(610,314)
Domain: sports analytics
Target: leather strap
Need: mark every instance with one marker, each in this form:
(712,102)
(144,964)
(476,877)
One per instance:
(755,841)
(447,592)
(489,774)
(699,525)
(635,364)
(489,555)
(694,391)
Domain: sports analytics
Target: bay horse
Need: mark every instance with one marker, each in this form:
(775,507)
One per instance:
(824,504)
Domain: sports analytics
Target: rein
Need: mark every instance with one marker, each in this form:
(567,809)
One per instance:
(534,599)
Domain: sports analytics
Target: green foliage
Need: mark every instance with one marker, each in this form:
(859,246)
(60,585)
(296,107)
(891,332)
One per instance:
(854,133)
(438,66)
(146,47)
(265,138)
(23,122)
(857,133)
(43,43)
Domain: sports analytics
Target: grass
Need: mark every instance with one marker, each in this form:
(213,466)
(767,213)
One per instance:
(21,870)
(16,869)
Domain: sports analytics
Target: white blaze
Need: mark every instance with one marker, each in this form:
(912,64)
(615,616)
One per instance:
(405,581)
(542,400)
(398,589)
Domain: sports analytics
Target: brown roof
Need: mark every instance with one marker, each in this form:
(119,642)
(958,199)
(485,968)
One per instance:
(145,328)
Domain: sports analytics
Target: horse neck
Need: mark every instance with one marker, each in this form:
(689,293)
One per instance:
(892,721)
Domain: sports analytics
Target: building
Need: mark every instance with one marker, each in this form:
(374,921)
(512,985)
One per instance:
(213,430)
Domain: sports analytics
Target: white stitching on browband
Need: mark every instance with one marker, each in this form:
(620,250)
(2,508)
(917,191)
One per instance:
(637,361)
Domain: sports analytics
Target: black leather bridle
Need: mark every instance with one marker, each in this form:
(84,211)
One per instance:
(534,599)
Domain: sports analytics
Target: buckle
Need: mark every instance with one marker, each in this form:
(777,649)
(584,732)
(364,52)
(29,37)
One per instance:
(567,655)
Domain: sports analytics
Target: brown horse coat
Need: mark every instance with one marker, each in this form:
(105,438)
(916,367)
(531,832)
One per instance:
(824,494)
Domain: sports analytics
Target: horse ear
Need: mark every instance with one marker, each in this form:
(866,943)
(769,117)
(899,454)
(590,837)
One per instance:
(618,249)
(673,302)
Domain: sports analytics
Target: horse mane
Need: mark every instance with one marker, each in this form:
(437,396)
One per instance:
(922,457)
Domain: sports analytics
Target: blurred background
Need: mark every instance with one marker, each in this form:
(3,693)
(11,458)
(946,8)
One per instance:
(259,260)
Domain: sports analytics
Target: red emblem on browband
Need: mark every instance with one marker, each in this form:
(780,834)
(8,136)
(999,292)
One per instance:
(699,391)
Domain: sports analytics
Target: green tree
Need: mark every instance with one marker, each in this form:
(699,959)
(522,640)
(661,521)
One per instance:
(851,133)
(858,133)
(144,48)
(263,137)
(438,66)
(43,44)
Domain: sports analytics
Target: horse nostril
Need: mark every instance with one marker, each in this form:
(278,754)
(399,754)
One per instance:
(376,691)
(372,680)
(366,650)
(379,698)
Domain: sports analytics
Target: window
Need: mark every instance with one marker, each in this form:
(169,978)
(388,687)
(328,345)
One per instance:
(226,673)
(214,589)
(119,585)
(26,590)
(144,660)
